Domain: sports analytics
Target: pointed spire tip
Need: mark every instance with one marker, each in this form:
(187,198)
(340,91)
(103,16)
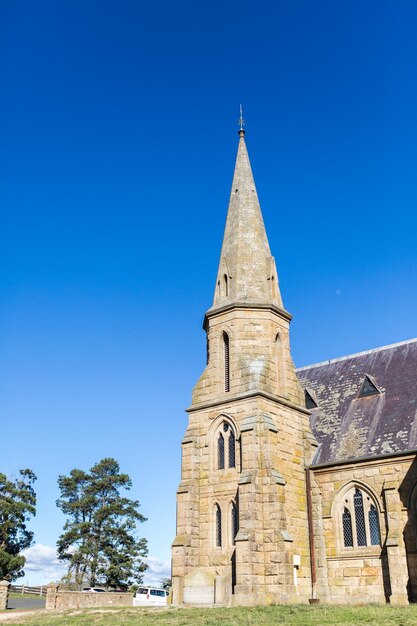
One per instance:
(241,123)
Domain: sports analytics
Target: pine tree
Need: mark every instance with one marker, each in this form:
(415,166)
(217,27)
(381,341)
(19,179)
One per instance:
(99,541)
(17,505)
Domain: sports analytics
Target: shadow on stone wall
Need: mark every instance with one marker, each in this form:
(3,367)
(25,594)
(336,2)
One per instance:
(408,495)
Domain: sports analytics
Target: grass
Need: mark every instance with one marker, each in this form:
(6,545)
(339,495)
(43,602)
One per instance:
(253,616)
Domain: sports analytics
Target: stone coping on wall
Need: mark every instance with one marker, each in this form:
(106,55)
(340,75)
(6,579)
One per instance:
(57,599)
(239,397)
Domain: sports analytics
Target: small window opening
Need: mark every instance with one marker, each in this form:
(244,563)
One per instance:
(226,362)
(359,518)
(347,529)
(374,526)
(220,451)
(235,522)
(279,361)
(232,450)
(218,521)
(226,285)
(310,400)
(369,388)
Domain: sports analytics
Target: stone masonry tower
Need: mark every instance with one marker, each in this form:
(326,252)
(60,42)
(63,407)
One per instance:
(242,528)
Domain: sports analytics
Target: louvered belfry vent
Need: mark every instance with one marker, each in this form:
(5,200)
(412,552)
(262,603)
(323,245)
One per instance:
(226,362)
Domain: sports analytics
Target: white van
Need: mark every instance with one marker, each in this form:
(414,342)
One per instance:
(150,596)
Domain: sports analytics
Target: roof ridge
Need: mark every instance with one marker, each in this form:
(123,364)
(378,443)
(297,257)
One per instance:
(352,356)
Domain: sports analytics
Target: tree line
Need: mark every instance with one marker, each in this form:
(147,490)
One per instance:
(99,542)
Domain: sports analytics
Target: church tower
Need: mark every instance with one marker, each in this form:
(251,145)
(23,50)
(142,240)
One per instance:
(242,527)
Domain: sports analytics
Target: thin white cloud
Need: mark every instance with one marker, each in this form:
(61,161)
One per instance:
(157,570)
(42,567)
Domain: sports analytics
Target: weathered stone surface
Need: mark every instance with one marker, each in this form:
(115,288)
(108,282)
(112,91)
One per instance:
(4,594)
(262,404)
(249,404)
(57,599)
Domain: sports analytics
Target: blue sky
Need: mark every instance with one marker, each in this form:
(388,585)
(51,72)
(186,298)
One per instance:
(118,141)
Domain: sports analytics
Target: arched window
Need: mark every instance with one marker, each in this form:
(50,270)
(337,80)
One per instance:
(226,350)
(218,526)
(360,521)
(280,365)
(225,439)
(234,522)
(220,451)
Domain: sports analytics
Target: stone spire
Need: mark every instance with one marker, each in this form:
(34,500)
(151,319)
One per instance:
(247,272)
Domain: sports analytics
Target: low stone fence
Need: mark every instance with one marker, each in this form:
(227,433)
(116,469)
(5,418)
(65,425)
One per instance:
(56,599)
(4,594)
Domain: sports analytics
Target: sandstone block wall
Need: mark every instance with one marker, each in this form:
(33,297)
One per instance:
(4,594)
(269,562)
(57,599)
(373,573)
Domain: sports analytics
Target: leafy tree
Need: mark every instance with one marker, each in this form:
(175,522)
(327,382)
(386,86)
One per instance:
(166,583)
(99,541)
(17,505)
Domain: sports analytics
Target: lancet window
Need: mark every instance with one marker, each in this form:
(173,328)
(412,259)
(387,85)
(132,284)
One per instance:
(218,526)
(226,354)
(220,451)
(226,446)
(234,522)
(360,520)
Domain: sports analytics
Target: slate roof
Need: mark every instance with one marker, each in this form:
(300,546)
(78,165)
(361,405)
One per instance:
(348,427)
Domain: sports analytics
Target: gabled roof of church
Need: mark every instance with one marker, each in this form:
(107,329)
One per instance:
(247,272)
(367,403)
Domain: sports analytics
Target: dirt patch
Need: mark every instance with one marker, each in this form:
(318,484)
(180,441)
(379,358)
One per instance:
(10,615)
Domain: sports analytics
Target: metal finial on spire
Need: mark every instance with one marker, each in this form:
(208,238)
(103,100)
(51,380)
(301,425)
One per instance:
(241,122)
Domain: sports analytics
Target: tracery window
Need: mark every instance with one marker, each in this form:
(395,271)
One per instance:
(359,517)
(226,446)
